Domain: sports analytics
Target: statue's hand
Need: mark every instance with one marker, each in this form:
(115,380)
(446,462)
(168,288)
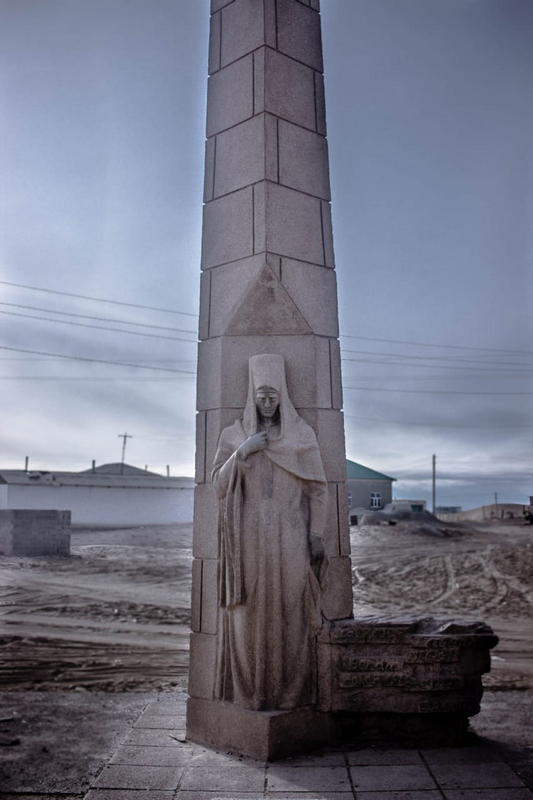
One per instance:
(253,444)
(319,559)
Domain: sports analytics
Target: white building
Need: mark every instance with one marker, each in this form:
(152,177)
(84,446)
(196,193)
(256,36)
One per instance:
(112,494)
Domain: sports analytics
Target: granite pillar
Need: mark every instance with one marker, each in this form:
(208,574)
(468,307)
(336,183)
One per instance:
(268,279)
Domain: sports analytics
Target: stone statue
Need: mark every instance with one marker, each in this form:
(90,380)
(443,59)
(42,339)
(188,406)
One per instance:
(272,491)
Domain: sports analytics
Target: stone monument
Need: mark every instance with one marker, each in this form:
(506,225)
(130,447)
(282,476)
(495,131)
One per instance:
(277,663)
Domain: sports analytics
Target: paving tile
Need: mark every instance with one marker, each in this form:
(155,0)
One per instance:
(460,755)
(240,778)
(131,777)
(157,713)
(128,794)
(317,795)
(308,779)
(186,795)
(153,738)
(153,756)
(374,757)
(33,796)
(475,776)
(414,795)
(315,760)
(203,757)
(488,794)
(392,778)
(170,721)
(162,708)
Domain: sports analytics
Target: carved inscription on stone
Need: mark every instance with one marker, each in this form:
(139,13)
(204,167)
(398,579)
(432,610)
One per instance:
(369,634)
(443,642)
(432,656)
(459,704)
(436,684)
(370,680)
(351,663)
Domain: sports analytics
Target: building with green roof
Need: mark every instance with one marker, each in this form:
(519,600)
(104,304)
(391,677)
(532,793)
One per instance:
(366,487)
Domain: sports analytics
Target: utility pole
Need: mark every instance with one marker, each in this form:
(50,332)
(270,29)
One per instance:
(434,460)
(123,436)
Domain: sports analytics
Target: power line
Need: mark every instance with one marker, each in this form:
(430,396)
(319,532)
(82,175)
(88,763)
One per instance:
(66,378)
(426,391)
(100,319)
(437,424)
(95,360)
(437,366)
(430,358)
(97,299)
(445,346)
(98,327)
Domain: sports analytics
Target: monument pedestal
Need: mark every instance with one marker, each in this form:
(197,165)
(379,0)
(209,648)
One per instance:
(264,735)
(412,680)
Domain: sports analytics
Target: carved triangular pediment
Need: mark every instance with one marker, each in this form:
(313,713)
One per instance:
(266,308)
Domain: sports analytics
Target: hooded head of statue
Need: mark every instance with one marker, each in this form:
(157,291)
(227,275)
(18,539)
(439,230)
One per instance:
(267,376)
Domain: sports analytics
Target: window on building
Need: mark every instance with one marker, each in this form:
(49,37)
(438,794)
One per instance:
(375,499)
(350,499)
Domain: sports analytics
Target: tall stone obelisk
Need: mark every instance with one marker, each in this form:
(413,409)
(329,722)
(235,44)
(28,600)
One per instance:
(268,283)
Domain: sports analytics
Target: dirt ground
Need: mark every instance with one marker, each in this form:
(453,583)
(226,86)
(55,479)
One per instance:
(112,622)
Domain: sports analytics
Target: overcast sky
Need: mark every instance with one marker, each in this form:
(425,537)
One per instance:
(430,122)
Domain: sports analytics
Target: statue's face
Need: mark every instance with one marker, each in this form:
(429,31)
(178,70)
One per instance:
(267,401)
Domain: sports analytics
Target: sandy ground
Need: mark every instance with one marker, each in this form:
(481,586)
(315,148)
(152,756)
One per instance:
(115,616)
(113,620)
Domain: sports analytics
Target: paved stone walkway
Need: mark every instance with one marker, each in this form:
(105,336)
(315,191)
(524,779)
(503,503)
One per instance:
(155,762)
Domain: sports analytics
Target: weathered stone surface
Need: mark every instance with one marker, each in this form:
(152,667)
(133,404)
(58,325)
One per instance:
(303,160)
(293,224)
(216,5)
(196,596)
(228,285)
(327,234)
(243,29)
(299,33)
(240,156)
(336,378)
(374,666)
(265,735)
(337,589)
(320,104)
(228,229)
(203,661)
(205,305)
(266,308)
(331,533)
(223,377)
(205,541)
(305,282)
(209,604)
(201,423)
(230,96)
(285,88)
(214,43)
(329,428)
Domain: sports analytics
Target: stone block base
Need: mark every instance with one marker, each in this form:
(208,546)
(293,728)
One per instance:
(411,680)
(264,735)
(34,532)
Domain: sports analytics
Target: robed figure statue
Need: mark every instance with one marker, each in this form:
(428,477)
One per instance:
(272,490)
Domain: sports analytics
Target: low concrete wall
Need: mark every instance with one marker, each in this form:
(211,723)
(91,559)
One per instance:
(34,532)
